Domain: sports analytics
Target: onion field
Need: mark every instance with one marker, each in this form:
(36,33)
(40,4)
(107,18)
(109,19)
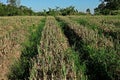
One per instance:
(60,48)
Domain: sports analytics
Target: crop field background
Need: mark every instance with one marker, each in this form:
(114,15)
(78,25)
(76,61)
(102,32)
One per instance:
(60,48)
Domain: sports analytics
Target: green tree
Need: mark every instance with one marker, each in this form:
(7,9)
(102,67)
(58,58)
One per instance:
(14,2)
(88,11)
(112,4)
(44,12)
(100,8)
(108,6)
(9,10)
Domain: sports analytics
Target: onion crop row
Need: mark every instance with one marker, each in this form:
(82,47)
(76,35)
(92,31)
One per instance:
(89,36)
(54,61)
(96,53)
(15,32)
(10,24)
(107,26)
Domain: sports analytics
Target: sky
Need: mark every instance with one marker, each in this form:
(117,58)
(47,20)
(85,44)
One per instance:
(39,5)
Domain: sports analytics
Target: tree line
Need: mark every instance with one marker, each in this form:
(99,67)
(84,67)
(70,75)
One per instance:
(62,11)
(13,8)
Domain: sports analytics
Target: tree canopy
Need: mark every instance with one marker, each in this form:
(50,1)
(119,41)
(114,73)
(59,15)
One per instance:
(108,7)
(13,10)
(61,11)
(88,11)
(9,10)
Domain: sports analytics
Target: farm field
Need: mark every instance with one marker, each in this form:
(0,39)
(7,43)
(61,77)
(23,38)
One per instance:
(60,48)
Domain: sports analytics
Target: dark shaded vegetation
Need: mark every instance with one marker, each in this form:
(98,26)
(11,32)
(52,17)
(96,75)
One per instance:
(101,64)
(21,68)
(108,7)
